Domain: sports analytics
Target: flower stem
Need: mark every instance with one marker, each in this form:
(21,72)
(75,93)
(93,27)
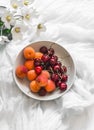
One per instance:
(1,31)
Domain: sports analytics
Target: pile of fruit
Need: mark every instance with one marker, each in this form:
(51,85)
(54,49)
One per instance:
(43,69)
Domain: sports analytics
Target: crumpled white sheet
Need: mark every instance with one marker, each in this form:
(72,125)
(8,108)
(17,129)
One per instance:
(70,23)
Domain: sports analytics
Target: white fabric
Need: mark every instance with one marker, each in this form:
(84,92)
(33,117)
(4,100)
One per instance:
(70,23)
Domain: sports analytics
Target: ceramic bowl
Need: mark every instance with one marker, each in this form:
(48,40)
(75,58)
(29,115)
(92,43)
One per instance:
(64,56)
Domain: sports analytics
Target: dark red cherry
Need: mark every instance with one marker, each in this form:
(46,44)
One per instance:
(63,86)
(45,58)
(38,69)
(42,92)
(55,57)
(56,68)
(59,63)
(37,62)
(58,83)
(64,69)
(53,61)
(55,77)
(64,78)
(43,50)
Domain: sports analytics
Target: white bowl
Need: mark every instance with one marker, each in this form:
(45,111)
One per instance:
(67,60)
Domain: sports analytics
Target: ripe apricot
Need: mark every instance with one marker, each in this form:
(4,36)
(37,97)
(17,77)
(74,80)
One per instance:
(42,80)
(34,87)
(46,73)
(29,64)
(21,71)
(31,75)
(38,55)
(50,87)
(29,52)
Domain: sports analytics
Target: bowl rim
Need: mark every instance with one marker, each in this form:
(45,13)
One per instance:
(41,97)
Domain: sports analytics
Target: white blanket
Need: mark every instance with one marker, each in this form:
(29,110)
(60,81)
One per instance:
(71,24)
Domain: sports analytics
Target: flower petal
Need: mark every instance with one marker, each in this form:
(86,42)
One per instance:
(16,3)
(3,40)
(27,2)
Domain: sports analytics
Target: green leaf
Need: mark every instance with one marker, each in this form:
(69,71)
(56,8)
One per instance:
(6,32)
(1,23)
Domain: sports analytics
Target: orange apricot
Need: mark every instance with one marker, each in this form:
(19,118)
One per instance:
(34,87)
(38,55)
(42,80)
(21,71)
(46,73)
(50,87)
(29,52)
(29,64)
(31,75)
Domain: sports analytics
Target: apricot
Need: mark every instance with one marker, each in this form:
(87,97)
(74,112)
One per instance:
(50,87)
(42,80)
(29,64)
(29,53)
(38,55)
(34,87)
(46,73)
(21,71)
(31,75)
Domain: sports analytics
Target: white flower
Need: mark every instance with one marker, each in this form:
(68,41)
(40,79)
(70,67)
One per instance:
(27,2)
(19,30)
(3,40)
(28,15)
(39,25)
(16,3)
(19,3)
(8,19)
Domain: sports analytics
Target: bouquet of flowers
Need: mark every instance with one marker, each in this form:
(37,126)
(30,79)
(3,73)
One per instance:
(19,19)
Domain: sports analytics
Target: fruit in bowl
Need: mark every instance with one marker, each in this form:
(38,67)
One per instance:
(43,70)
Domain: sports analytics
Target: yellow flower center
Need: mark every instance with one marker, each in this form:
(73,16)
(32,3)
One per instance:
(8,18)
(39,26)
(27,16)
(26,2)
(17,29)
(14,6)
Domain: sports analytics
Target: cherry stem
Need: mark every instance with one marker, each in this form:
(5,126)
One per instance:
(59,75)
(52,45)
(51,69)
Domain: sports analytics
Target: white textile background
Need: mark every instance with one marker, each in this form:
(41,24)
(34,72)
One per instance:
(71,24)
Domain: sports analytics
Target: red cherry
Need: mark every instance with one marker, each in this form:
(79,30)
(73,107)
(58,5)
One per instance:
(43,50)
(42,92)
(59,63)
(55,57)
(64,68)
(58,83)
(56,68)
(37,62)
(55,77)
(63,86)
(45,58)
(64,78)
(52,61)
(38,69)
